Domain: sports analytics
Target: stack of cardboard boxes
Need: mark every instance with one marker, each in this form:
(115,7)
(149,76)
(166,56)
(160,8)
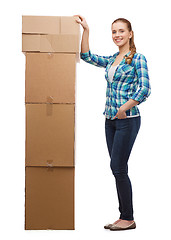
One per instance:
(51,46)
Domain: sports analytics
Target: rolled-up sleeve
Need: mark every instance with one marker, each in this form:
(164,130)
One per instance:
(94,59)
(144,87)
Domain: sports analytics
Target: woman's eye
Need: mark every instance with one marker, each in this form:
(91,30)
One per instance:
(121,31)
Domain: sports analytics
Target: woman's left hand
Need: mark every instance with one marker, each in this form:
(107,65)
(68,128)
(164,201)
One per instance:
(121,114)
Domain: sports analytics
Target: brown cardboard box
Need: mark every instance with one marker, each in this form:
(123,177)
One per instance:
(49,25)
(49,199)
(50,76)
(50,43)
(50,34)
(50,134)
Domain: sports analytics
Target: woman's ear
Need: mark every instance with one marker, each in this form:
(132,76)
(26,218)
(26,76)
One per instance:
(131,34)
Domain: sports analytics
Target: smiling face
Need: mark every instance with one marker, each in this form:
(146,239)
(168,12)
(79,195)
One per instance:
(120,33)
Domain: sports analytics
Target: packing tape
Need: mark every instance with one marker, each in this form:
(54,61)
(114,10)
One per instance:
(50,169)
(49,106)
(50,55)
(49,99)
(49,163)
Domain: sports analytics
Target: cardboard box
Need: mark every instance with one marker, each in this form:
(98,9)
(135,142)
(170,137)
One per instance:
(49,198)
(50,25)
(50,43)
(51,34)
(50,134)
(50,77)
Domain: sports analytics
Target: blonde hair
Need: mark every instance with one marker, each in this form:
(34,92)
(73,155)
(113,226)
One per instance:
(132,47)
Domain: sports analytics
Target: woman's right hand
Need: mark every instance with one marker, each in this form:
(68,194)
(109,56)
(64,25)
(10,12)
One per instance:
(81,20)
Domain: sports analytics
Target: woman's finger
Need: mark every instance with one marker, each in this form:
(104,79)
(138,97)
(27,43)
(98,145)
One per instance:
(81,17)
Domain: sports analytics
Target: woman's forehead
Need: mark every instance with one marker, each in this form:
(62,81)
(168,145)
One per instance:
(119,25)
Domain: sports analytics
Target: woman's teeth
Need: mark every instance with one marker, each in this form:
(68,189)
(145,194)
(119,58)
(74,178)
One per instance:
(118,40)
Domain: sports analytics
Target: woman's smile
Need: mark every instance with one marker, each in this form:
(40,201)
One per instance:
(118,40)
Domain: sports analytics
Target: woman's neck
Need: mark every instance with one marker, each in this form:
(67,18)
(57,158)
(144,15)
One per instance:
(124,50)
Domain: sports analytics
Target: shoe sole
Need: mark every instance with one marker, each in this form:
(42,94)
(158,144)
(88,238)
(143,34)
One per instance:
(121,229)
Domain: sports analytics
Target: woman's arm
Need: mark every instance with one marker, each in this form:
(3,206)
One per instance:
(122,110)
(144,88)
(86,55)
(85,36)
(85,41)
(143,91)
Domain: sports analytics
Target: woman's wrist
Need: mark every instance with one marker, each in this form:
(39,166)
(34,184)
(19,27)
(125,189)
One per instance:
(122,108)
(129,104)
(86,29)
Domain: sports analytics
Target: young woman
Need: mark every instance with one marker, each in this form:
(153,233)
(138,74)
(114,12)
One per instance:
(128,85)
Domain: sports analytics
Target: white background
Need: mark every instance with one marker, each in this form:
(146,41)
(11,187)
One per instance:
(149,165)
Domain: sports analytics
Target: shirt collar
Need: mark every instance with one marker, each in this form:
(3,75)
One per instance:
(123,60)
(127,54)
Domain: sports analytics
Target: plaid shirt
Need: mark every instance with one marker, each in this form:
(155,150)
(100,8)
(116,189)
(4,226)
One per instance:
(130,81)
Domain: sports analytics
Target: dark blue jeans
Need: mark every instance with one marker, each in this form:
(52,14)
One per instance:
(120,137)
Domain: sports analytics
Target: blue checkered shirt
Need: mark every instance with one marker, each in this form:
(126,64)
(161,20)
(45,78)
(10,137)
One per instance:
(130,81)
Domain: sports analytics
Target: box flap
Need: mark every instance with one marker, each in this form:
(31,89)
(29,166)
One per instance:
(68,43)
(50,25)
(30,43)
(41,24)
